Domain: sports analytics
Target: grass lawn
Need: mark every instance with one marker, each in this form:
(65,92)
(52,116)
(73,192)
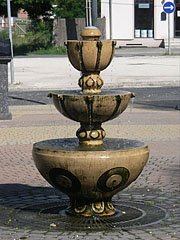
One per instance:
(39,43)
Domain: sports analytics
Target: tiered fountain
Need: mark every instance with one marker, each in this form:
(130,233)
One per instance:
(90,170)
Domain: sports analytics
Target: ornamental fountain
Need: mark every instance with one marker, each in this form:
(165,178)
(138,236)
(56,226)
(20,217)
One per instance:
(89,168)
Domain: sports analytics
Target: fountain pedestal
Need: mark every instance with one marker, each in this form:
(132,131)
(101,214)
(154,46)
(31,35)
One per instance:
(90,169)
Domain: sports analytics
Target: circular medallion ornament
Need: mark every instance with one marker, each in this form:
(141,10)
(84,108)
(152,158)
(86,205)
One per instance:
(83,134)
(113,179)
(94,134)
(90,82)
(99,82)
(64,180)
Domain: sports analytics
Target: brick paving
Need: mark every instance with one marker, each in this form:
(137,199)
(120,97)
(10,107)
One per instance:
(157,185)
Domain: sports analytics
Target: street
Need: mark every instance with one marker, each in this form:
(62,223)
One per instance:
(34,73)
(154,98)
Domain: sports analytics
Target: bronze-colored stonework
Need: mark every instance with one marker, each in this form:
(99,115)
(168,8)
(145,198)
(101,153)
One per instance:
(90,56)
(91,110)
(92,168)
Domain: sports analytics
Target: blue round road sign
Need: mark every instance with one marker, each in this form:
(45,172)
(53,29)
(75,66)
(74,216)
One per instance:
(169,7)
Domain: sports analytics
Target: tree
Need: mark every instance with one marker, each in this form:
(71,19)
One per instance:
(34,8)
(70,8)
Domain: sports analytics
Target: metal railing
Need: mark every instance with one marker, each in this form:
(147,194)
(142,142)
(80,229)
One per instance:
(19,26)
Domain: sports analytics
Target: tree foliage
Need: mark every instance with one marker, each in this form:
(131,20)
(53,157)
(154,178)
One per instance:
(70,8)
(35,8)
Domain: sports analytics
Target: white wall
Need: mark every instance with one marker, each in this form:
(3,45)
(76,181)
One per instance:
(122,18)
(161,27)
(105,13)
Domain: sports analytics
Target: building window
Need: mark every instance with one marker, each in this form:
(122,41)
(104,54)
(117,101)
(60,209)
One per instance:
(163,16)
(177,19)
(144,18)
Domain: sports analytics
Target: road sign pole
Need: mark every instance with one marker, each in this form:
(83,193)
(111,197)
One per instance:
(169,42)
(110,18)
(169,8)
(10,37)
(94,13)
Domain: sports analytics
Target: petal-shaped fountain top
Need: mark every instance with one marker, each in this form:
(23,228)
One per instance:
(91,33)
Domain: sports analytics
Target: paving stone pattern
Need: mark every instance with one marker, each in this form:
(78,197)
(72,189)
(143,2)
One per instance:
(158,185)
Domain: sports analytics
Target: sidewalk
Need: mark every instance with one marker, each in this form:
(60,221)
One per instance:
(22,185)
(133,71)
(22,188)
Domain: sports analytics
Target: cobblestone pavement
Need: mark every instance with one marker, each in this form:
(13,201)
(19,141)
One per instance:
(158,185)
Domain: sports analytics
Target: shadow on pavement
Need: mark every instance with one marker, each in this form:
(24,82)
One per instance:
(21,190)
(170,105)
(30,101)
(160,98)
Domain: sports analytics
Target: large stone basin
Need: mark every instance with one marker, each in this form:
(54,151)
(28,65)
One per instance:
(90,176)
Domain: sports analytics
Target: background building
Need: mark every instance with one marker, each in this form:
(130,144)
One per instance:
(141,22)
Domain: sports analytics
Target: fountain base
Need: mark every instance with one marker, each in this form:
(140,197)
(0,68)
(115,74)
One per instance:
(89,209)
(90,175)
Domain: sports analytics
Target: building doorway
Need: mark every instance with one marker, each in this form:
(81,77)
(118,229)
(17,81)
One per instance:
(177,19)
(144,18)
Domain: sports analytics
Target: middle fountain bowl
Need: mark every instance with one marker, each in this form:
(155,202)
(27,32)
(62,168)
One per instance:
(91,110)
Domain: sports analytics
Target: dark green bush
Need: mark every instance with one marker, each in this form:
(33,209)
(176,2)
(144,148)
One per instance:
(4,35)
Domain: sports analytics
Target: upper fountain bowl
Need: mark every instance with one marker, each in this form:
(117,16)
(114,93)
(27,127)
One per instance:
(91,54)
